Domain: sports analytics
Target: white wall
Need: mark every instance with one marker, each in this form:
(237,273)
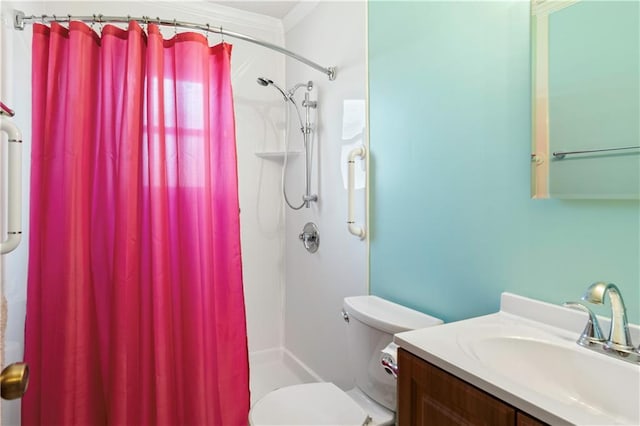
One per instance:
(259,112)
(333,33)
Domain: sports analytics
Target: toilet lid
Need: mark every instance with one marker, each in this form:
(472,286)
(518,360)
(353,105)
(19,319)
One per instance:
(307,404)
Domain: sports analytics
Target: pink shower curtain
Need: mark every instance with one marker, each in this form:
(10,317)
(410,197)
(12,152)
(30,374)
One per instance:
(135,310)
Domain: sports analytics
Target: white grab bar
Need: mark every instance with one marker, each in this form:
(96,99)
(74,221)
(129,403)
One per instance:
(14,199)
(360,151)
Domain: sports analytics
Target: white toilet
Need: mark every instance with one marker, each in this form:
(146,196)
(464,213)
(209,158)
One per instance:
(372,322)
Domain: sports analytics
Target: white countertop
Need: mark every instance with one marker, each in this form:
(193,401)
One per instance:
(574,393)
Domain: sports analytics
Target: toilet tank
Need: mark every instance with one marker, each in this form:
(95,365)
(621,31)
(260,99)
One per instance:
(372,323)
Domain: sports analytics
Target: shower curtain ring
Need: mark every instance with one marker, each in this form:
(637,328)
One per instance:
(175,27)
(208,31)
(42,17)
(221,34)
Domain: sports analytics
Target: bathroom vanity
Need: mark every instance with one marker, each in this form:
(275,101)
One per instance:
(519,366)
(429,395)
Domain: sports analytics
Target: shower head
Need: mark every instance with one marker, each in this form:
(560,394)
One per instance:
(266,82)
(288,96)
(263,81)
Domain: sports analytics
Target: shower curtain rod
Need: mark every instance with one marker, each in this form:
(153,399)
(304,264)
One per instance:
(20,19)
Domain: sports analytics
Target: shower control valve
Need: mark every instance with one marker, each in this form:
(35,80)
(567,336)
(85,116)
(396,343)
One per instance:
(307,237)
(310,237)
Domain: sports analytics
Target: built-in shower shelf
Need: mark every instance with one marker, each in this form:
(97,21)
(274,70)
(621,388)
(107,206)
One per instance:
(276,155)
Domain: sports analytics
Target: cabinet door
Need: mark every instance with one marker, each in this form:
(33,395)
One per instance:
(523,419)
(430,396)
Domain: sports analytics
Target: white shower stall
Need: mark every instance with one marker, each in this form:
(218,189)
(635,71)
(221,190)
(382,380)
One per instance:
(293,298)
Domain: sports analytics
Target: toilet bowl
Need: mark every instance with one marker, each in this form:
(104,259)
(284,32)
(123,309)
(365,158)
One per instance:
(371,323)
(308,404)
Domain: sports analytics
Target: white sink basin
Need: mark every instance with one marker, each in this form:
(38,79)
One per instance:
(562,371)
(527,356)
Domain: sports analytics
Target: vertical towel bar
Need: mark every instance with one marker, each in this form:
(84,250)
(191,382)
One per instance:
(14,199)
(360,151)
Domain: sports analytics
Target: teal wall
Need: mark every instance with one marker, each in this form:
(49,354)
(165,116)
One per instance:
(452,222)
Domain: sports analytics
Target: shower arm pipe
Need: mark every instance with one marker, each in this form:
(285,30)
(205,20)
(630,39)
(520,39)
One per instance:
(14,198)
(358,231)
(20,19)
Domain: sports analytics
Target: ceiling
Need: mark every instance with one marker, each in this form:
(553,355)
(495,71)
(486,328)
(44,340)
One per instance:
(276,9)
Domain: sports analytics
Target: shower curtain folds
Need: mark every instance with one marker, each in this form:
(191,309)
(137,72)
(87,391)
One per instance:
(135,311)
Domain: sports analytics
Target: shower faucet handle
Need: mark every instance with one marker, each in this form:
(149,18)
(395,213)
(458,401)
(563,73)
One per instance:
(310,237)
(307,236)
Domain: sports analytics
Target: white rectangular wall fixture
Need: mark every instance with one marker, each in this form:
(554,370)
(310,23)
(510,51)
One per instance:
(14,199)
(358,231)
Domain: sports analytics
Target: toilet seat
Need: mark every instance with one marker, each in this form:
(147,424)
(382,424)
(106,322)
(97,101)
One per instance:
(307,404)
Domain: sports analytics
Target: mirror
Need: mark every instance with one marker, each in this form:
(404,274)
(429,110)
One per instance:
(586,99)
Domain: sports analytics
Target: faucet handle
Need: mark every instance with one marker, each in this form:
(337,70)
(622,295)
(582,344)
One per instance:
(592,334)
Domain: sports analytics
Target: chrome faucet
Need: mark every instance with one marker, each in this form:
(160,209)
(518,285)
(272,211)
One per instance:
(619,342)
(619,337)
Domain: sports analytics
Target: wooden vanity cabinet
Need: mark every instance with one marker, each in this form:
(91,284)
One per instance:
(429,396)
(523,419)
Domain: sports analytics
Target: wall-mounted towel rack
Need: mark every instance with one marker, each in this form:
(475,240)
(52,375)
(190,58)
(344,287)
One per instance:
(559,155)
(14,199)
